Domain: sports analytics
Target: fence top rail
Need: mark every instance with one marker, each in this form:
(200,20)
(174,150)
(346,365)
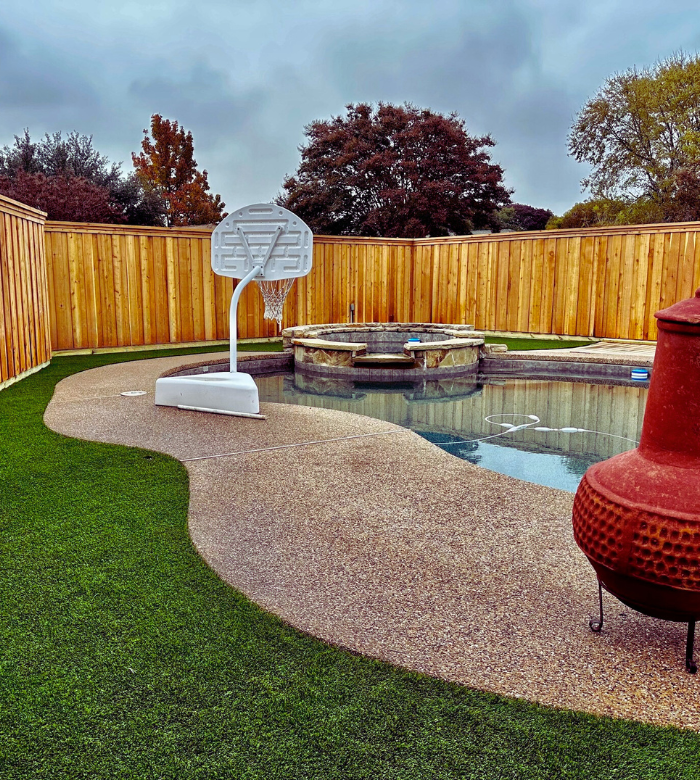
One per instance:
(204,231)
(17,209)
(630,230)
(365,240)
(192,231)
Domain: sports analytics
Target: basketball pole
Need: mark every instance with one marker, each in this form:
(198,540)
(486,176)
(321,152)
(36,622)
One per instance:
(257,270)
(233,315)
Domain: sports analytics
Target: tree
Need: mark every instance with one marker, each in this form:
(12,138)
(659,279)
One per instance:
(139,204)
(590,213)
(64,198)
(518,216)
(598,212)
(394,171)
(641,135)
(167,166)
(72,168)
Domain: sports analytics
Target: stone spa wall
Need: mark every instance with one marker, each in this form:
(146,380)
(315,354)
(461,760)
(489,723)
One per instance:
(385,351)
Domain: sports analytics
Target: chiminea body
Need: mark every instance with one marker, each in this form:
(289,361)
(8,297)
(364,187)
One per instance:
(637,515)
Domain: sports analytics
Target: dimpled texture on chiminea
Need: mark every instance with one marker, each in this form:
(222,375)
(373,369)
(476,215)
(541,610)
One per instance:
(636,516)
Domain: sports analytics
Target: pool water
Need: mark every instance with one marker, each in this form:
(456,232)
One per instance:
(542,431)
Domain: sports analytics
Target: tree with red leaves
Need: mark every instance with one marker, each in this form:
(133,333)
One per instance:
(167,165)
(394,171)
(64,198)
(520,216)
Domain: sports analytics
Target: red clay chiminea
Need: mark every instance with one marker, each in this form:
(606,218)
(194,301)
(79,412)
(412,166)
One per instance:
(637,515)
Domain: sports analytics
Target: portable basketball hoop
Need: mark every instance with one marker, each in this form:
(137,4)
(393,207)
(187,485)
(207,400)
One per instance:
(262,242)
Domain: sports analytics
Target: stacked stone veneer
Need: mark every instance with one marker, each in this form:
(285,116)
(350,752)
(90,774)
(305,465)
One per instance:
(334,349)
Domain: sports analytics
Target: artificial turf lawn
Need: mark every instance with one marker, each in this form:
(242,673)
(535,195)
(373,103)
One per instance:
(124,656)
(514,344)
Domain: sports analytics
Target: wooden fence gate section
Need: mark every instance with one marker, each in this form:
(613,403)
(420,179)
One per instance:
(24,300)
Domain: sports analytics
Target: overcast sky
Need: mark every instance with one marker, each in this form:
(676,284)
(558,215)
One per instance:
(245,76)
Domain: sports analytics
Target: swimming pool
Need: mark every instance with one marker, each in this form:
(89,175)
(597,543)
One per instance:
(543,431)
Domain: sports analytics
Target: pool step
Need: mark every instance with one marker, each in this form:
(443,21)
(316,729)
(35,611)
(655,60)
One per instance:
(391,359)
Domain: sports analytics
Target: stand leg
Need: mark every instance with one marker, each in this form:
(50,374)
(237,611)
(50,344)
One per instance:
(597,625)
(690,665)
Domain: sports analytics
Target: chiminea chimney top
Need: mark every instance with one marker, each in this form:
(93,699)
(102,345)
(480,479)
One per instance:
(686,312)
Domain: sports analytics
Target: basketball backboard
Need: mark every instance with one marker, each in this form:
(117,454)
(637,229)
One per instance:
(262,235)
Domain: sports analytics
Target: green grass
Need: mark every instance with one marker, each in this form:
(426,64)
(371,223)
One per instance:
(259,346)
(534,343)
(123,656)
(243,346)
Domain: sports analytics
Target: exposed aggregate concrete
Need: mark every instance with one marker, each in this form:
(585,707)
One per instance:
(388,546)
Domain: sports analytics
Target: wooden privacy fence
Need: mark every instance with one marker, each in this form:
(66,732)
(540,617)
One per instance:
(24,301)
(113,286)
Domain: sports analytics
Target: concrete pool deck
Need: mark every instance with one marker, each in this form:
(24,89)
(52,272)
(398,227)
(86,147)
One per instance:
(365,535)
(603,360)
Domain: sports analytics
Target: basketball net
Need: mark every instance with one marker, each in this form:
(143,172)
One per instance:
(274,293)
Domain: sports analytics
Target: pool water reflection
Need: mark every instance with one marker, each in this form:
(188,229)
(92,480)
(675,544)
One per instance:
(542,431)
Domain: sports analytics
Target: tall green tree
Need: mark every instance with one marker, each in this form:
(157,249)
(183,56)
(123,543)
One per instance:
(166,165)
(641,135)
(395,171)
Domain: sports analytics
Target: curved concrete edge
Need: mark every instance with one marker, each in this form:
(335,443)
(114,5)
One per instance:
(363,534)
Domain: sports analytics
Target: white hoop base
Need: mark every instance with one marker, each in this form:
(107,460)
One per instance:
(222,392)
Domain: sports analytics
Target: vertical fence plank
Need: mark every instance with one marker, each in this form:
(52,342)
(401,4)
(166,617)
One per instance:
(512,288)
(135,291)
(601,264)
(573,283)
(685,287)
(6,363)
(524,272)
(627,264)
(672,256)
(561,284)
(148,297)
(582,323)
(32,324)
(19,295)
(533,323)
(639,282)
(547,289)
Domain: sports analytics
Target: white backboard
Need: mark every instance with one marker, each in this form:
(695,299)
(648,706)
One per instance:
(243,239)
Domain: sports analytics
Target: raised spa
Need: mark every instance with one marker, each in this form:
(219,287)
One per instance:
(385,351)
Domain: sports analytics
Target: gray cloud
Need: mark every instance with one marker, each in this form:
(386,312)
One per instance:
(245,77)
(31,80)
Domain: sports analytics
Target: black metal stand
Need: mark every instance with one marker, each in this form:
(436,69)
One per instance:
(690,664)
(597,625)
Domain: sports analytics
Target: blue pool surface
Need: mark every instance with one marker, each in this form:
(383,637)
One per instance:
(542,431)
